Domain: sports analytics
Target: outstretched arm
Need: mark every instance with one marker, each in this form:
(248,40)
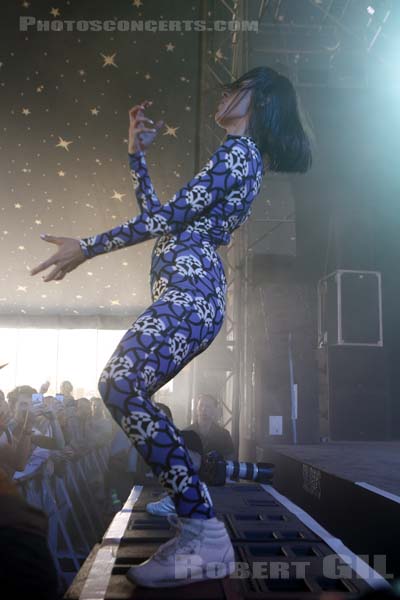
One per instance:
(224,171)
(145,194)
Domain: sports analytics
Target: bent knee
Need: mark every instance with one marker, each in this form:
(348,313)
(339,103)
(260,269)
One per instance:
(122,376)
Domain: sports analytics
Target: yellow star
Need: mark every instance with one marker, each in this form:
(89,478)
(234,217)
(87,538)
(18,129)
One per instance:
(170,46)
(109,60)
(63,143)
(17,205)
(115,302)
(21,247)
(26,111)
(117,196)
(55,12)
(94,111)
(38,222)
(61,173)
(170,130)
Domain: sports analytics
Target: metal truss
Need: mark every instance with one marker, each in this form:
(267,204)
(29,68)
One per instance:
(328,43)
(223,57)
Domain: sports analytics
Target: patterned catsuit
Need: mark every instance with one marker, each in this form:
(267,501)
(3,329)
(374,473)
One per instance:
(188,288)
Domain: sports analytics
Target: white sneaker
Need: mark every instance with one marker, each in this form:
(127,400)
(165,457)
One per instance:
(162,507)
(165,506)
(200,550)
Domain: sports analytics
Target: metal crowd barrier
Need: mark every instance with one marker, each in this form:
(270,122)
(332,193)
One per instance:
(72,493)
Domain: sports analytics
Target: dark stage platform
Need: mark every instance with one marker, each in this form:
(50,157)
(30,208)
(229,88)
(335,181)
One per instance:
(351,488)
(375,463)
(281,552)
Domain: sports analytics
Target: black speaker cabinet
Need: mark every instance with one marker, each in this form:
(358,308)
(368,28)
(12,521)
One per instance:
(350,309)
(354,395)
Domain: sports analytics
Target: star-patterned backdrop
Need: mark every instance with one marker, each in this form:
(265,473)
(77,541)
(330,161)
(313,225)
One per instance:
(64,168)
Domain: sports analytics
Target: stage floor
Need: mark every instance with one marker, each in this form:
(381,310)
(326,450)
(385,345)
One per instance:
(265,531)
(376,463)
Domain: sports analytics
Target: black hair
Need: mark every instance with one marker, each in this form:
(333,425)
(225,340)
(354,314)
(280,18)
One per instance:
(277,123)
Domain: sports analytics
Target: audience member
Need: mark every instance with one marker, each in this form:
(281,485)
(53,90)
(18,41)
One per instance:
(15,448)
(46,431)
(102,420)
(71,428)
(27,569)
(123,466)
(212,435)
(66,389)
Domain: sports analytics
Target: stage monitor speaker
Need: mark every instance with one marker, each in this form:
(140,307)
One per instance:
(354,393)
(350,309)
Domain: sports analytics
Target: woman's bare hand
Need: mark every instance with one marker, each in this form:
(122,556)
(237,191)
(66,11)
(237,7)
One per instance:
(68,257)
(140,137)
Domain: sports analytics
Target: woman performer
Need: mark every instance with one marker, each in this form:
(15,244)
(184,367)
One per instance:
(260,114)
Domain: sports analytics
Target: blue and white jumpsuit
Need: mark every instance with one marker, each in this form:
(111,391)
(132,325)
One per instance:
(188,289)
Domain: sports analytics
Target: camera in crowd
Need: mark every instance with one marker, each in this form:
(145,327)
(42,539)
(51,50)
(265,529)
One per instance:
(217,471)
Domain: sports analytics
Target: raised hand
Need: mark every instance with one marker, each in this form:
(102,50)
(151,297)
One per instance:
(140,137)
(66,259)
(44,387)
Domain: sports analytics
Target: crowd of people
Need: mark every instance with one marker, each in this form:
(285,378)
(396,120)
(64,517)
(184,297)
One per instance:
(37,428)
